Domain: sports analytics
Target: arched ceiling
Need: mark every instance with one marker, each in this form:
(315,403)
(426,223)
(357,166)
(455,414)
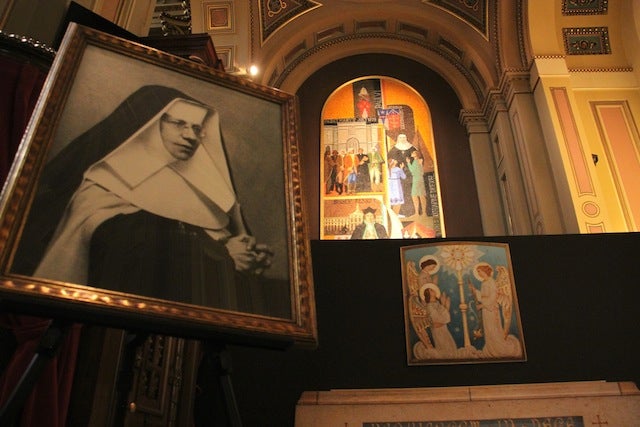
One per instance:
(588,34)
(452,37)
(470,43)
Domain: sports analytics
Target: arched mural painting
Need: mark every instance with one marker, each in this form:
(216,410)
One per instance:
(379,168)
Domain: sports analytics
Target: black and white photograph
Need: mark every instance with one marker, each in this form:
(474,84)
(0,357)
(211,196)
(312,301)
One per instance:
(170,191)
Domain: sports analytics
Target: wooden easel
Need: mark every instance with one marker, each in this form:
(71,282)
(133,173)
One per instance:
(48,348)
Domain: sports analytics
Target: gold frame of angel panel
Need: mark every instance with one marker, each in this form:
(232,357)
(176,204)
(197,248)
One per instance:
(460,304)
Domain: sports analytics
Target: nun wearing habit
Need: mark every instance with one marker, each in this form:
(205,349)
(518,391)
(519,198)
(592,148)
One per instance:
(123,208)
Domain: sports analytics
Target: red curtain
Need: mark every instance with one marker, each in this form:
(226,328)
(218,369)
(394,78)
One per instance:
(46,406)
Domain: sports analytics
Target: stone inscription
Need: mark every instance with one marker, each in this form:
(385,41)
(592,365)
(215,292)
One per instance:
(564,421)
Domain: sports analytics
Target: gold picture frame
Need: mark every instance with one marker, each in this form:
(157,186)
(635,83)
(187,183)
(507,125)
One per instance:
(102,96)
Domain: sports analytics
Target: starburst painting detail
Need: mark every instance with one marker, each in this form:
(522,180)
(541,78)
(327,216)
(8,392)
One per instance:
(459,258)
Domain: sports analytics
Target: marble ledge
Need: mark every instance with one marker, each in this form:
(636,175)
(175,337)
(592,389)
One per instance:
(468,394)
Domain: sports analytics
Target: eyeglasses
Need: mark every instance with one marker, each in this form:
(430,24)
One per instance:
(183,124)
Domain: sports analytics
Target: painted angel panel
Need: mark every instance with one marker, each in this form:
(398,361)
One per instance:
(460,304)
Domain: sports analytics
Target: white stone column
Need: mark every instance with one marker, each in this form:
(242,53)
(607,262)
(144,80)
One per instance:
(493,219)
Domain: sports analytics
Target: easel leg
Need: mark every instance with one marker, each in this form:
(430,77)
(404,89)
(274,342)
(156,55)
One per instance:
(215,403)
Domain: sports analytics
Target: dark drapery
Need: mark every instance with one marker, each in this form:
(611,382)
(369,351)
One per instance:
(46,406)
(47,403)
(21,83)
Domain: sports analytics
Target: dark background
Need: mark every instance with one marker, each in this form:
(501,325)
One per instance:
(578,294)
(578,298)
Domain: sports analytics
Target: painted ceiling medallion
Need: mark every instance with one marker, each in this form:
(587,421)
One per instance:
(584,7)
(276,13)
(586,41)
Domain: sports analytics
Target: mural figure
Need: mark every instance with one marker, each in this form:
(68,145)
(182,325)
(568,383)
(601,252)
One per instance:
(400,152)
(495,305)
(364,106)
(429,311)
(438,306)
(350,172)
(418,187)
(418,314)
(396,192)
(329,172)
(369,229)
(375,169)
(363,180)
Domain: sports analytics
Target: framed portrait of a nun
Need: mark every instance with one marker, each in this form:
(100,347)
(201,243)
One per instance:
(153,189)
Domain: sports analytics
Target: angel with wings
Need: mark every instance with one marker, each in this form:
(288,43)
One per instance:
(429,310)
(496,300)
(418,315)
(504,296)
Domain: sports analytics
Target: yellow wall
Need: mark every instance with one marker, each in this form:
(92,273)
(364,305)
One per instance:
(571,93)
(603,200)
(619,195)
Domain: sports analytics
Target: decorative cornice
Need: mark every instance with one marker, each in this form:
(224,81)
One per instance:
(520,33)
(474,121)
(514,81)
(590,69)
(495,36)
(471,116)
(494,103)
(253,11)
(521,10)
(602,70)
(556,56)
(510,71)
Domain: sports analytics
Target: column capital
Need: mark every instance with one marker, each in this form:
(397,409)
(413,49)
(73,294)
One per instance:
(515,81)
(474,121)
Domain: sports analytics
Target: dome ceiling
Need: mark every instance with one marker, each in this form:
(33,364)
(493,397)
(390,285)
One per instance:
(277,13)
(471,43)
